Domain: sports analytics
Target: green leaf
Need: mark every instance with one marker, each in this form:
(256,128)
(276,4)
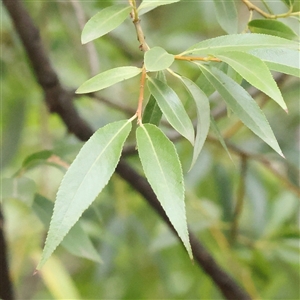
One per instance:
(255,71)
(163,170)
(289,3)
(172,108)
(203,116)
(239,42)
(84,180)
(243,105)
(44,157)
(281,60)
(157,59)
(227,15)
(108,78)
(272,27)
(76,241)
(104,21)
(148,5)
(152,113)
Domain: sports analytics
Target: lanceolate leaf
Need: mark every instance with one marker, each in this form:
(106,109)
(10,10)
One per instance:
(272,27)
(240,42)
(148,5)
(77,242)
(227,15)
(203,116)
(243,105)
(255,72)
(108,78)
(163,170)
(104,21)
(84,180)
(172,108)
(280,60)
(157,59)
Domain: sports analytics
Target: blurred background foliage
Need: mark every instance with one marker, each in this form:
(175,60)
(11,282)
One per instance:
(124,250)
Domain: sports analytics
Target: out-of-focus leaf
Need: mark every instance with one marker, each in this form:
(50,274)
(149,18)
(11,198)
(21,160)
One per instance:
(148,5)
(76,241)
(203,116)
(157,59)
(281,60)
(240,42)
(172,108)
(13,114)
(163,170)
(217,132)
(44,157)
(84,180)
(255,71)
(104,21)
(283,209)
(108,78)
(272,27)
(227,15)
(243,105)
(20,188)
(57,279)
(289,3)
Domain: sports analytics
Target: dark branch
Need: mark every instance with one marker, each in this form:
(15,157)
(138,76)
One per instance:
(60,102)
(6,289)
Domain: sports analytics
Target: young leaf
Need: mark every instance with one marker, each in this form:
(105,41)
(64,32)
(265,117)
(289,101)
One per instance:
(84,180)
(148,5)
(172,108)
(240,42)
(227,15)
(104,21)
(243,105)
(255,71)
(203,116)
(163,170)
(108,78)
(281,60)
(272,27)
(77,242)
(157,59)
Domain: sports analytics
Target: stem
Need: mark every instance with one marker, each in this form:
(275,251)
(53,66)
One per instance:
(196,58)
(137,23)
(141,97)
(251,7)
